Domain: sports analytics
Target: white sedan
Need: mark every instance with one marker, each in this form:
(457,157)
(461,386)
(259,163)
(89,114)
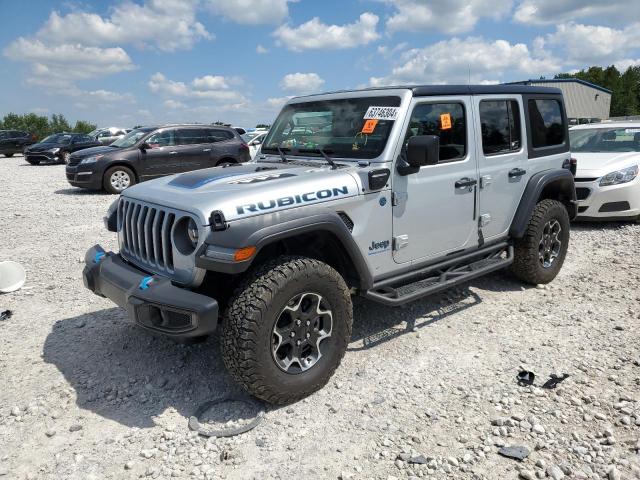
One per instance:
(254,139)
(607,184)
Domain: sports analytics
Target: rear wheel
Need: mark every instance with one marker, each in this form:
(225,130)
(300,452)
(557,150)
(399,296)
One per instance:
(286,329)
(117,178)
(33,162)
(224,163)
(539,255)
(8,155)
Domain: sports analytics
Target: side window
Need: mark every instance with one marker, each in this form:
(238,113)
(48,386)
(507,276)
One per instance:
(104,134)
(445,120)
(217,135)
(192,136)
(166,138)
(545,117)
(500,126)
(86,139)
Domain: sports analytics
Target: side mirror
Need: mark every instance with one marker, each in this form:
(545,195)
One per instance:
(423,150)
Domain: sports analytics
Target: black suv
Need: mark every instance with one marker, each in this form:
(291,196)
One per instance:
(152,152)
(15,141)
(57,148)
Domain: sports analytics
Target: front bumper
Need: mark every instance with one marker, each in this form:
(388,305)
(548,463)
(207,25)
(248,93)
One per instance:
(615,202)
(151,301)
(80,176)
(41,156)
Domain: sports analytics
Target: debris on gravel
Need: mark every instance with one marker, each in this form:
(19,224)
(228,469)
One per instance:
(428,390)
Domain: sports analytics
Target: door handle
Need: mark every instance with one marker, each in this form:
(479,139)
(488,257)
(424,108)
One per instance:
(466,182)
(517,172)
(206,150)
(173,153)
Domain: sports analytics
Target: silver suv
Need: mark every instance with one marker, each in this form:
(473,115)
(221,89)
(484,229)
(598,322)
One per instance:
(391,194)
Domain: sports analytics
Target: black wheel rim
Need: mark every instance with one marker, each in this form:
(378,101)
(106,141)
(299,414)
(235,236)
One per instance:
(301,332)
(550,243)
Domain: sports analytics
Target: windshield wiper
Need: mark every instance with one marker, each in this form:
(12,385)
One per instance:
(322,152)
(282,155)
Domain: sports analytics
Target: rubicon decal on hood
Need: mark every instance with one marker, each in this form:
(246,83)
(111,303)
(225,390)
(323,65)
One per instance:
(305,198)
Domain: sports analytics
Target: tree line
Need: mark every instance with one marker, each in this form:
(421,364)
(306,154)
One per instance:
(625,99)
(42,126)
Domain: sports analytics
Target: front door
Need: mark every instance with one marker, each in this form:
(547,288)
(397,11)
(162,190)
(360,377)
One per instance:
(162,157)
(434,210)
(502,162)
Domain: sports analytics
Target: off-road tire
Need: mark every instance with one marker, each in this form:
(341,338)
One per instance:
(526,264)
(246,330)
(33,162)
(106,180)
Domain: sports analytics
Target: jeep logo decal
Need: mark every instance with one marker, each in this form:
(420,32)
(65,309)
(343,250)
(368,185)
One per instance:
(308,197)
(379,247)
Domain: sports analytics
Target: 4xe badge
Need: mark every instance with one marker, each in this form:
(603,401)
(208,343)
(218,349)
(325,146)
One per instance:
(379,247)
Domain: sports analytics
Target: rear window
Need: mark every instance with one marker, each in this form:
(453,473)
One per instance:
(547,128)
(220,135)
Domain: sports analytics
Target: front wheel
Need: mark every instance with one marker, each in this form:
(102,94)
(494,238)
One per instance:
(287,328)
(8,155)
(117,178)
(65,157)
(540,253)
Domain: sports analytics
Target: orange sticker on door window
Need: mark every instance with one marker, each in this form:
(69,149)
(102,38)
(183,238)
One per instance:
(445,121)
(369,126)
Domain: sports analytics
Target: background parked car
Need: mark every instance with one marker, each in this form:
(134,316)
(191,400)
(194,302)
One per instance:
(106,136)
(607,183)
(152,152)
(254,140)
(57,148)
(15,141)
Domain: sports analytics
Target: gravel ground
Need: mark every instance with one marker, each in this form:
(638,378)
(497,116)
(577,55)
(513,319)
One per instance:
(424,391)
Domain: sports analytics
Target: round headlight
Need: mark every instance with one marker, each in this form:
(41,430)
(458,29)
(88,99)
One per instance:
(192,232)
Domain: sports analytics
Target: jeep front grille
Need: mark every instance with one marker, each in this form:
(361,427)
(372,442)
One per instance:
(145,234)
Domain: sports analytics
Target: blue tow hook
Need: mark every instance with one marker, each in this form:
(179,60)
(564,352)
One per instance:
(98,257)
(145,282)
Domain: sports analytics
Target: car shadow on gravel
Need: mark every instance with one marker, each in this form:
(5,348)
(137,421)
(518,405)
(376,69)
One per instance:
(125,374)
(79,191)
(375,324)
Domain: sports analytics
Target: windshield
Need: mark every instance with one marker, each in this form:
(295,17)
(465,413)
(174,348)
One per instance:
(93,133)
(344,128)
(131,138)
(57,138)
(605,139)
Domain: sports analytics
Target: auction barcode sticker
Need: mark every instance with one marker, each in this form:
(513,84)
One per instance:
(382,113)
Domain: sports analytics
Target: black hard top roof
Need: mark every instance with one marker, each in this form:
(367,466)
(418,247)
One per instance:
(427,90)
(442,90)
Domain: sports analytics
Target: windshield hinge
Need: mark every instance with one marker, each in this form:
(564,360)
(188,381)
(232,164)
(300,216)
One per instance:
(399,197)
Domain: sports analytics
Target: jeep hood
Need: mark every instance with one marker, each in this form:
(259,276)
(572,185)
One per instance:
(597,164)
(250,189)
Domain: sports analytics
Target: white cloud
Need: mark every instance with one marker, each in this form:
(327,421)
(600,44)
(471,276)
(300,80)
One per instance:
(316,35)
(174,104)
(549,12)
(301,83)
(251,12)
(485,61)
(60,65)
(585,45)
(278,102)
(211,87)
(166,24)
(450,16)
(261,50)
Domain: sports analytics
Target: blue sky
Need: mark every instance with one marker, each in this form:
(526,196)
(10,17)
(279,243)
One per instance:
(146,61)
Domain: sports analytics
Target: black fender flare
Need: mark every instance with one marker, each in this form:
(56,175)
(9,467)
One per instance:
(282,226)
(559,183)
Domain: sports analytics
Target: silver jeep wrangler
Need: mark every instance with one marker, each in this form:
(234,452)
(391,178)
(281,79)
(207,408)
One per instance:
(391,194)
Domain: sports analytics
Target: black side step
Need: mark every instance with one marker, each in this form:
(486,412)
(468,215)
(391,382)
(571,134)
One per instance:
(440,277)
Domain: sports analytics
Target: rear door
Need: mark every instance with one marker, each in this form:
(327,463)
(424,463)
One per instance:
(223,146)
(434,210)
(193,148)
(162,157)
(502,160)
